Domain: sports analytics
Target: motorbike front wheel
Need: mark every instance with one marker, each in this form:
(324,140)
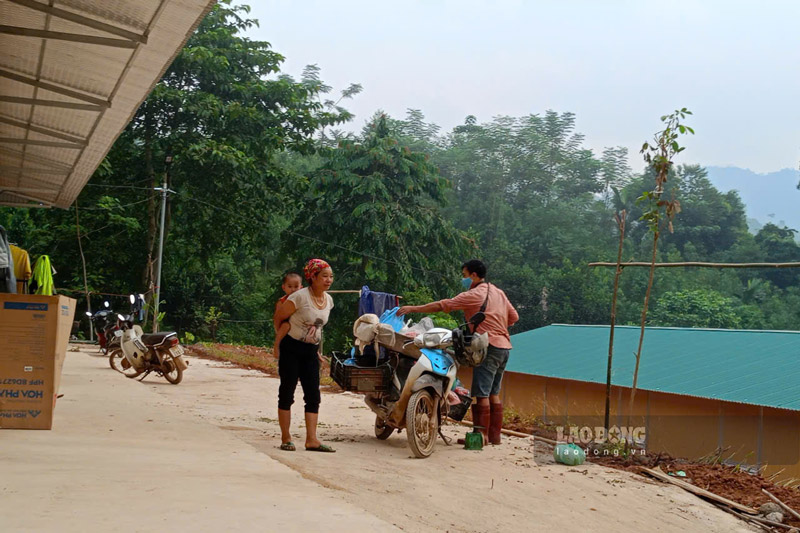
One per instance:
(173,373)
(382,431)
(422,423)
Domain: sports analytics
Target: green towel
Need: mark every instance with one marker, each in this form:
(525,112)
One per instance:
(43,276)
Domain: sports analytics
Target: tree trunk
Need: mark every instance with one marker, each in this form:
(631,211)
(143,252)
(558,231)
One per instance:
(147,278)
(644,319)
(621,223)
(85,278)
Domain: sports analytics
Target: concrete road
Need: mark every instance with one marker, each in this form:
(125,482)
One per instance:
(121,457)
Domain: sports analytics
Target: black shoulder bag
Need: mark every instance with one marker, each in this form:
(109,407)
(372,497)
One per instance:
(480,316)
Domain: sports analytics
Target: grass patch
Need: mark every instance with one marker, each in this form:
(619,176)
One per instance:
(254,358)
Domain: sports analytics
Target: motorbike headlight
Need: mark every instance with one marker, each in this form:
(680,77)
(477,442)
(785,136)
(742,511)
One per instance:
(132,298)
(88,314)
(121,317)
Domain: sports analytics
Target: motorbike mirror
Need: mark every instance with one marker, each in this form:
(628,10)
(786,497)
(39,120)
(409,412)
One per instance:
(106,304)
(88,314)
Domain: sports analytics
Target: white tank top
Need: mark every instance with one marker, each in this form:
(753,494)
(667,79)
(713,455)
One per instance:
(307,321)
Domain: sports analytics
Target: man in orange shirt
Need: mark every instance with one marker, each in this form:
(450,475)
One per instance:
(487,411)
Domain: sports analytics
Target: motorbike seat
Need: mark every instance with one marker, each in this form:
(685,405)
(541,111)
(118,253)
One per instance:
(154,339)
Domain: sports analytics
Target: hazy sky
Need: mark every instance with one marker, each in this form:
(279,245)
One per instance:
(617,65)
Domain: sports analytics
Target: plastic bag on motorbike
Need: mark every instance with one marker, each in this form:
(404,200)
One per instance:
(419,328)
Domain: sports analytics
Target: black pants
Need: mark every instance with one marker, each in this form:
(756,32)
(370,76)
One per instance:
(298,361)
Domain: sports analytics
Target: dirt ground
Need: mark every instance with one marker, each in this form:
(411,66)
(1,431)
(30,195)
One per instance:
(506,488)
(123,456)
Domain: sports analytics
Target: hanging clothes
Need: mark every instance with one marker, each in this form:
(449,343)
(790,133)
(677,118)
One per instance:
(43,276)
(375,302)
(22,268)
(8,281)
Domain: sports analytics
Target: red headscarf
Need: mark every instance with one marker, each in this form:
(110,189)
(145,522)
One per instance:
(314,267)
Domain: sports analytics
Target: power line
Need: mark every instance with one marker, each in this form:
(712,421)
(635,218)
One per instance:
(114,206)
(119,186)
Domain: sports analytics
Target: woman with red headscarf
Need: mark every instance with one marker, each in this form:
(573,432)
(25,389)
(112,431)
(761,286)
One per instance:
(307,311)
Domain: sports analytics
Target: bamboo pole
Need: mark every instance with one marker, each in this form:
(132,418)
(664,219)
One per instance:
(781,504)
(697,264)
(621,223)
(659,474)
(644,323)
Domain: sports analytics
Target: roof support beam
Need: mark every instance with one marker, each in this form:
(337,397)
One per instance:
(47,203)
(27,157)
(80,19)
(55,88)
(44,131)
(25,204)
(33,142)
(32,190)
(50,103)
(19,170)
(73,37)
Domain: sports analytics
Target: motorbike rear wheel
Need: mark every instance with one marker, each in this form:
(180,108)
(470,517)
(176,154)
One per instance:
(422,423)
(382,431)
(116,358)
(175,373)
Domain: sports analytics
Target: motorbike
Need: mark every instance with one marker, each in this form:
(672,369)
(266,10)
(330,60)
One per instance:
(104,322)
(140,354)
(422,372)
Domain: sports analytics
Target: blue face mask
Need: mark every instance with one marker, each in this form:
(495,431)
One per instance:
(466,283)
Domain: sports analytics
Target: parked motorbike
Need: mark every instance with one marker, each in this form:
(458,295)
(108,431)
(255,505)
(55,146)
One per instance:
(140,354)
(423,371)
(104,322)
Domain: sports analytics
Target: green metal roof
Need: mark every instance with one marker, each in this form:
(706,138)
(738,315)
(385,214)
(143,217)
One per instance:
(746,366)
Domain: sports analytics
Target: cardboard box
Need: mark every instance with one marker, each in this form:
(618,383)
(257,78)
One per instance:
(34,334)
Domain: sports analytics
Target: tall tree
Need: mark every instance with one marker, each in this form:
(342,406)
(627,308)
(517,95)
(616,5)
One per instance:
(375,204)
(659,156)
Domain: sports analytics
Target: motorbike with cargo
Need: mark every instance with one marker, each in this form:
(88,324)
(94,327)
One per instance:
(406,380)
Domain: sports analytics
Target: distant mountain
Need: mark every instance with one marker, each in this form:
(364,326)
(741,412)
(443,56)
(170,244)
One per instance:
(772,197)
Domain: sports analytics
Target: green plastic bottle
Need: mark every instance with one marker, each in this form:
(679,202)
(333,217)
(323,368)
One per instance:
(569,454)
(473,440)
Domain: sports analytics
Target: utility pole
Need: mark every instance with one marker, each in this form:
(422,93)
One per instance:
(164,191)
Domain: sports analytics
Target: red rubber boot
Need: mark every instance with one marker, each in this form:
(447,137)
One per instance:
(495,423)
(480,418)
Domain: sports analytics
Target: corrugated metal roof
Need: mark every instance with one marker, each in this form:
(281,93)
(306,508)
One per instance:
(72,74)
(745,366)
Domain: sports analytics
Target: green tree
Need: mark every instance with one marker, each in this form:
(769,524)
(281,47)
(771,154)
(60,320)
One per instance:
(711,222)
(225,114)
(779,246)
(697,309)
(374,211)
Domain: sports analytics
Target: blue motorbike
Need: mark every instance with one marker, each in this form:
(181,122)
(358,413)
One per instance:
(417,373)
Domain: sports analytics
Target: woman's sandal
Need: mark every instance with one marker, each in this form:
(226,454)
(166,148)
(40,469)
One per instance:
(321,448)
(288,446)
